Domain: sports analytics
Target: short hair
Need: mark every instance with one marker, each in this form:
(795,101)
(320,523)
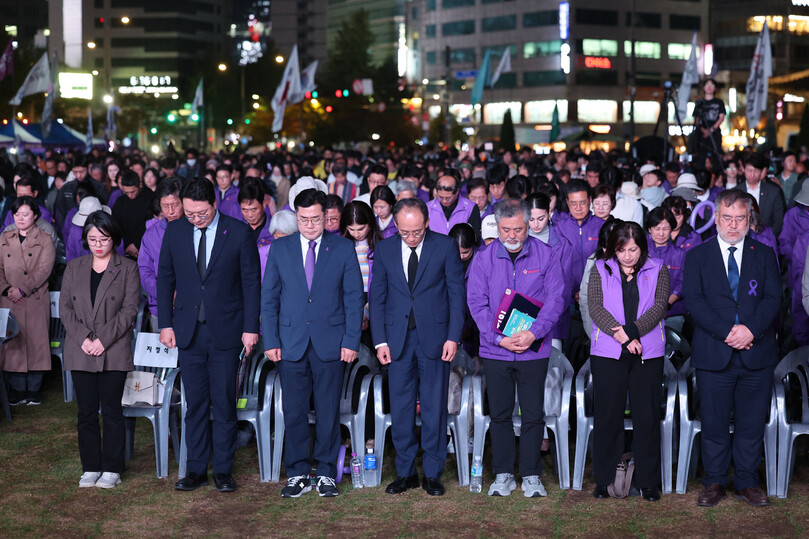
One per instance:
(661,177)
(377,169)
(199,191)
(476,183)
(517,186)
(729,197)
(451,173)
(464,234)
(497,173)
(26,181)
(130,178)
(539,201)
(577,186)
(620,236)
(412,171)
(612,176)
(756,160)
(250,190)
(410,204)
(192,151)
(26,201)
(677,205)
(406,185)
(703,178)
(168,187)
(511,208)
(657,216)
(105,224)
(383,193)
(340,168)
(309,197)
(671,166)
(333,202)
(225,167)
(594,166)
(284,222)
(168,163)
(80,161)
(603,189)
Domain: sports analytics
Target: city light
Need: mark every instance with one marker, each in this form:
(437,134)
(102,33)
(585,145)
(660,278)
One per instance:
(375,136)
(19,115)
(155,149)
(279,59)
(230,121)
(255,106)
(171,117)
(107,99)
(153,131)
(91,45)
(125,19)
(223,67)
(94,72)
(329,108)
(195,117)
(254,97)
(314,94)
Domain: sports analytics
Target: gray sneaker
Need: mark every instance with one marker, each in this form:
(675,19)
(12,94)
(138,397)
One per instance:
(88,479)
(503,484)
(108,480)
(532,487)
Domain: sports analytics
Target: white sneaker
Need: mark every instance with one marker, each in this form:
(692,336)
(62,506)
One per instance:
(88,479)
(533,487)
(503,484)
(108,480)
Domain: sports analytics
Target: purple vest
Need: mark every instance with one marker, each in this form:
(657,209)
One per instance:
(654,342)
(461,213)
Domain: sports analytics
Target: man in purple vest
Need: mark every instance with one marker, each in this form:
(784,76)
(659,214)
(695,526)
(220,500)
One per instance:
(581,231)
(448,208)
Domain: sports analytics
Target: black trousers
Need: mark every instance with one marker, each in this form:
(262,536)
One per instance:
(529,379)
(611,381)
(105,389)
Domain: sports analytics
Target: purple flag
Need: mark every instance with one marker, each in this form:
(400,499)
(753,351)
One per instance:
(7,61)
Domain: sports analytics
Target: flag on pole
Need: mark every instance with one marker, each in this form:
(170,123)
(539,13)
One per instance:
(198,101)
(503,67)
(290,86)
(38,80)
(111,127)
(307,83)
(554,134)
(7,61)
(760,73)
(88,140)
(482,80)
(690,77)
(47,109)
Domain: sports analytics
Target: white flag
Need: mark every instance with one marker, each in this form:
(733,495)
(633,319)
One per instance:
(47,109)
(503,67)
(88,141)
(198,101)
(290,86)
(38,80)
(367,87)
(760,73)
(307,83)
(690,77)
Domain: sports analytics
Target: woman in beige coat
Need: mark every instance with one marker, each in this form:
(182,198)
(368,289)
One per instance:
(98,306)
(26,261)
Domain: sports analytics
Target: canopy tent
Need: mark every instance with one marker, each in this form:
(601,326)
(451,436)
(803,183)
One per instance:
(14,130)
(59,136)
(82,137)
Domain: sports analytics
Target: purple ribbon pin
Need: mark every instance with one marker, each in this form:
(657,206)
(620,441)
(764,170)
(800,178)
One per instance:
(753,285)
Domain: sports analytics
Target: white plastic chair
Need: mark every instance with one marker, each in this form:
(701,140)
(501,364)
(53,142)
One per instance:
(584,424)
(793,411)
(56,336)
(691,425)
(558,387)
(160,416)
(457,423)
(356,388)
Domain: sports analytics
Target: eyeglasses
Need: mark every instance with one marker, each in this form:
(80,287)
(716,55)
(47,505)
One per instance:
(415,234)
(99,241)
(739,220)
(310,220)
(332,220)
(193,216)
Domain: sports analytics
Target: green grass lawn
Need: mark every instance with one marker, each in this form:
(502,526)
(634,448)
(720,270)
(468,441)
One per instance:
(39,496)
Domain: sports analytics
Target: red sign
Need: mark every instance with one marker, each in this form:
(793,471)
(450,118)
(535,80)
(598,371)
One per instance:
(595,62)
(357,86)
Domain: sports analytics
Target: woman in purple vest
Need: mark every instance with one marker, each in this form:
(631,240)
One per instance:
(628,297)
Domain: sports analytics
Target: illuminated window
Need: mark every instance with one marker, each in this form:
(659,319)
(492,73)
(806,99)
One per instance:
(493,113)
(599,47)
(643,49)
(797,24)
(536,49)
(646,112)
(597,110)
(541,112)
(679,51)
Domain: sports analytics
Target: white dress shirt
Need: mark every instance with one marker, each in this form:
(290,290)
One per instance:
(724,246)
(755,192)
(406,254)
(210,237)
(305,247)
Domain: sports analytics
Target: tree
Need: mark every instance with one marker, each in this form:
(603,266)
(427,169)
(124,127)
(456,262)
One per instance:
(507,132)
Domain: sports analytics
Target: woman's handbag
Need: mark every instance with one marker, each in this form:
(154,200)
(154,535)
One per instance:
(142,388)
(623,477)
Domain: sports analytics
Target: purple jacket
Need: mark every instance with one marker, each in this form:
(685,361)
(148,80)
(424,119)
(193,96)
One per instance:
(535,273)
(461,214)
(583,240)
(767,237)
(46,215)
(389,230)
(796,223)
(563,252)
(232,193)
(114,196)
(231,208)
(604,344)
(687,238)
(674,259)
(148,258)
(800,320)
(488,210)
(68,222)
(263,253)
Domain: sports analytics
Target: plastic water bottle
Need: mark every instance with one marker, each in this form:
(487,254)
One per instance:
(476,481)
(356,471)
(370,467)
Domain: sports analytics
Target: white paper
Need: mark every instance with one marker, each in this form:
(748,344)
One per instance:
(150,352)
(55,304)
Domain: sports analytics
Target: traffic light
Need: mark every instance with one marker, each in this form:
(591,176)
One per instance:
(230,121)
(345,93)
(308,95)
(338,93)
(314,94)
(171,117)
(329,108)
(247,121)
(195,117)
(153,131)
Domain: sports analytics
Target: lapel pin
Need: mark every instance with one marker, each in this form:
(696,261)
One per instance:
(753,285)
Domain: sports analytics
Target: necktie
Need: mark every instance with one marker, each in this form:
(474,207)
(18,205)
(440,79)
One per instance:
(309,265)
(412,268)
(202,263)
(733,273)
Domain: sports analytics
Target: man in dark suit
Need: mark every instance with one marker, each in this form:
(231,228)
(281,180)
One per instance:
(770,197)
(417,307)
(208,288)
(732,289)
(311,314)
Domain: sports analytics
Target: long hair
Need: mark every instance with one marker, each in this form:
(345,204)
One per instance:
(360,213)
(621,235)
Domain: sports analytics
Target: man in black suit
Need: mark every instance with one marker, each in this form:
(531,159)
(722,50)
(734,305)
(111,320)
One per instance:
(770,197)
(732,289)
(417,308)
(208,289)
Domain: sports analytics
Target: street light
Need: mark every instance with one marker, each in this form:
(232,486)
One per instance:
(125,19)
(255,97)
(255,106)
(95,72)
(279,59)
(223,67)
(107,99)
(91,45)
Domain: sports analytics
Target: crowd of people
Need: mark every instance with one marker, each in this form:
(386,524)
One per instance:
(413,254)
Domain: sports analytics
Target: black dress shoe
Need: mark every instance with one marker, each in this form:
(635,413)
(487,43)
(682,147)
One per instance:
(601,492)
(192,481)
(651,494)
(433,487)
(402,484)
(224,482)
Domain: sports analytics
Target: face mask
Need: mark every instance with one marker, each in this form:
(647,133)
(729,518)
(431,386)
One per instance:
(653,195)
(191,162)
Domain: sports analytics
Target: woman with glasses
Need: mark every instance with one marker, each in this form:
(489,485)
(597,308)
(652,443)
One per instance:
(98,305)
(26,261)
(603,201)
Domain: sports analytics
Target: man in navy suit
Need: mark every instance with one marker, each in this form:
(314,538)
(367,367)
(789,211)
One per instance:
(769,196)
(417,308)
(208,287)
(311,314)
(732,289)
